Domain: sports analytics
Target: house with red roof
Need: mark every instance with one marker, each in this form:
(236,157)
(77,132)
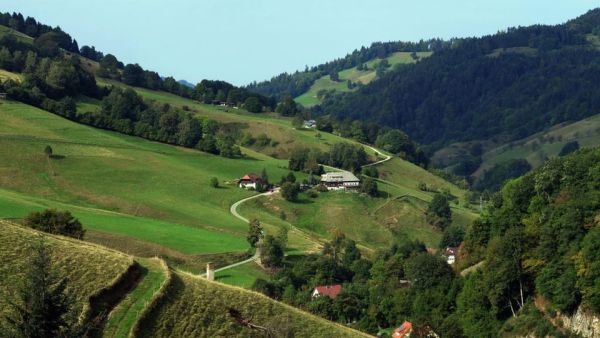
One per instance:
(403,331)
(330,291)
(250,180)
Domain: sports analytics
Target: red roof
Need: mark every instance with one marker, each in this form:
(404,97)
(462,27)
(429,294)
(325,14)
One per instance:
(330,291)
(251,177)
(403,330)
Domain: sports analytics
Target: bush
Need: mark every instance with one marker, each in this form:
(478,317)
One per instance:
(321,188)
(312,194)
(214,182)
(438,213)
(371,171)
(55,222)
(290,191)
(568,148)
(369,187)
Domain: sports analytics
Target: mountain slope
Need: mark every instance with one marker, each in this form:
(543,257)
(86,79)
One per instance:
(505,86)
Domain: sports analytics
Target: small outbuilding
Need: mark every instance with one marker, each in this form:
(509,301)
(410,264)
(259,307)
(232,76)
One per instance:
(330,291)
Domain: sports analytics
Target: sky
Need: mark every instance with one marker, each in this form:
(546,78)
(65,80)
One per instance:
(241,41)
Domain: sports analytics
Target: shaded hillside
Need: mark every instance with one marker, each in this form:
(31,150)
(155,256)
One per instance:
(540,237)
(508,86)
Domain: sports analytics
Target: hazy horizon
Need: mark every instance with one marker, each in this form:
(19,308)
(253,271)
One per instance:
(241,42)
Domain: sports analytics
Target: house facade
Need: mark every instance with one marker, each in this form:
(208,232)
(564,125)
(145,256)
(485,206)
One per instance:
(343,180)
(250,180)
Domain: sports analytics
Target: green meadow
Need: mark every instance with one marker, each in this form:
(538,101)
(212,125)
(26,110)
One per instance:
(147,185)
(242,275)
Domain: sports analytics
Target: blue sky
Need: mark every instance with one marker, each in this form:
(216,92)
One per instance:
(244,40)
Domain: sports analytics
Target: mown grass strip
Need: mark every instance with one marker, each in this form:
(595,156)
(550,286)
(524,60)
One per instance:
(122,319)
(152,307)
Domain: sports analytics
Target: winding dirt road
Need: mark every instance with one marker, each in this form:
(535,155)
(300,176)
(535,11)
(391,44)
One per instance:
(234,206)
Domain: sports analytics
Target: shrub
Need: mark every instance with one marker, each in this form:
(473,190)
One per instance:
(369,187)
(214,182)
(48,151)
(55,222)
(312,194)
(289,191)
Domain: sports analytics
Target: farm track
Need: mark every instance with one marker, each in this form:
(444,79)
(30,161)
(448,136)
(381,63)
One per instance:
(234,212)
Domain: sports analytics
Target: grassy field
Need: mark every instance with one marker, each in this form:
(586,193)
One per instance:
(6,75)
(123,317)
(184,239)
(88,267)
(242,275)
(310,99)
(197,308)
(147,190)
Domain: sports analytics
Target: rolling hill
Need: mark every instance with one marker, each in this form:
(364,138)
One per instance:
(144,312)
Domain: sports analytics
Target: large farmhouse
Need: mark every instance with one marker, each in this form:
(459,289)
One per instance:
(250,180)
(343,180)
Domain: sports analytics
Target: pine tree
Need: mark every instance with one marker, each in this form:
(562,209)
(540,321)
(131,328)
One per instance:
(42,307)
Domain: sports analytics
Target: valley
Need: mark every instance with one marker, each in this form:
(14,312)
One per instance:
(439,188)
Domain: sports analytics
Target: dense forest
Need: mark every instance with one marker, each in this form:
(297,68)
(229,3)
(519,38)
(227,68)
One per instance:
(538,238)
(300,81)
(508,85)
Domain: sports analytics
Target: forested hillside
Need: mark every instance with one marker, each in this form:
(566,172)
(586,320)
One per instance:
(508,85)
(540,237)
(299,82)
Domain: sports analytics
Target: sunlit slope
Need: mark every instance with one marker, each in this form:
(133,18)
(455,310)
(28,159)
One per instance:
(88,267)
(99,169)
